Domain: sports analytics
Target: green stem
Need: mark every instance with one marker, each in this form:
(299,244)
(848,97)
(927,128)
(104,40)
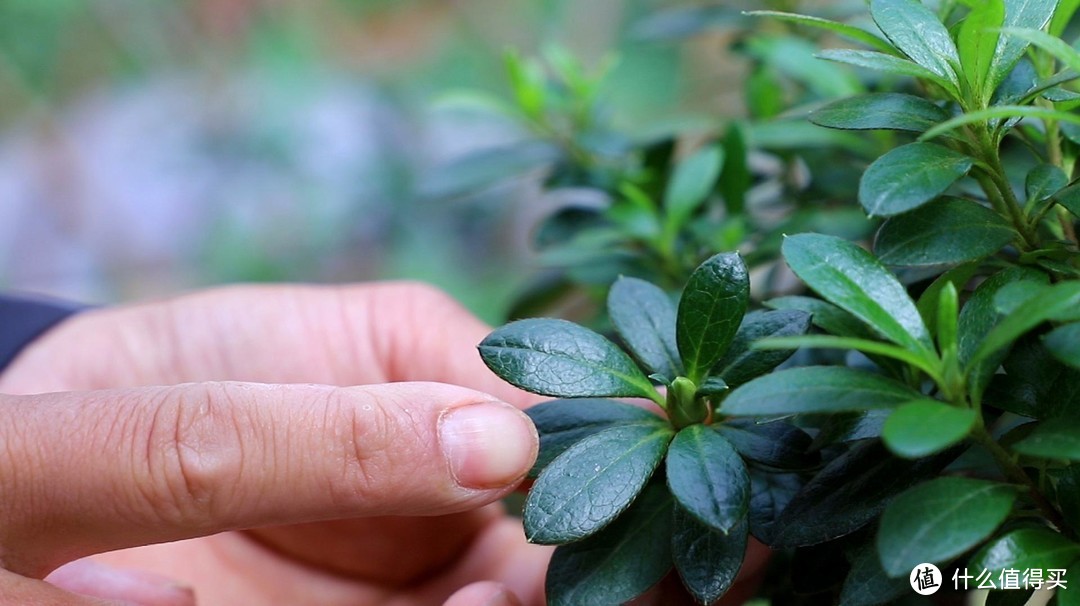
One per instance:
(1014,473)
(1006,199)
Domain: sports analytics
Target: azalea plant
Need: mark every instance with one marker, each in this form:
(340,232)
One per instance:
(910,401)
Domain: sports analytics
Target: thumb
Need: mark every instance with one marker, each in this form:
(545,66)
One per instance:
(95,471)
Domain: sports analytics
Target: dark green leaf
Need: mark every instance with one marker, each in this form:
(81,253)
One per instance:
(1053,302)
(644,317)
(741,363)
(888,64)
(707,560)
(815,389)
(1024,549)
(923,427)
(567,223)
(710,311)
(708,478)
(979,316)
(867,584)
(854,280)
(776,444)
(930,299)
(563,423)
(713,386)
(849,427)
(939,520)
(1043,181)
(1070,198)
(769,495)
(977,40)
(945,232)
(561,359)
(1064,343)
(850,492)
(886,111)
(1068,494)
(620,562)
(866,346)
(1036,384)
(485,168)
(692,182)
(1033,14)
(909,176)
(592,482)
(1053,439)
(825,316)
(916,31)
(735,177)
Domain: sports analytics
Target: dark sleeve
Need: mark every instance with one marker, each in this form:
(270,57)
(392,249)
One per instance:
(23,319)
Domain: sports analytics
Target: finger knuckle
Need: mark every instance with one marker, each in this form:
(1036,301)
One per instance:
(369,435)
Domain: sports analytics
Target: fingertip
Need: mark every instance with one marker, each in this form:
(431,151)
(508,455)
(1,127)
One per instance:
(488,445)
(94,579)
(484,593)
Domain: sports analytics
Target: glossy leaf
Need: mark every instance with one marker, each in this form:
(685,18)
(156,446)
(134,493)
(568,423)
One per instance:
(977,43)
(886,111)
(1024,549)
(1051,44)
(1030,14)
(741,362)
(999,112)
(850,492)
(1053,302)
(927,303)
(840,29)
(563,423)
(939,520)
(924,427)
(769,495)
(592,482)
(888,64)
(561,359)
(865,346)
(945,232)
(1064,343)
(867,584)
(916,31)
(1053,439)
(707,560)
(692,182)
(708,478)
(816,389)
(776,444)
(825,316)
(909,176)
(620,562)
(1043,181)
(710,311)
(854,280)
(644,317)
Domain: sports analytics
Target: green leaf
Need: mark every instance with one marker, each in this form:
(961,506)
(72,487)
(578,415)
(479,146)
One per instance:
(1033,14)
(978,317)
(644,317)
(916,31)
(867,584)
(887,111)
(939,520)
(563,423)
(851,278)
(924,427)
(776,444)
(814,389)
(1066,10)
(888,64)
(850,492)
(1053,439)
(909,176)
(947,231)
(824,315)
(977,42)
(741,363)
(692,182)
(1064,343)
(707,560)
(708,478)
(485,168)
(592,482)
(1024,549)
(1053,301)
(735,178)
(863,345)
(840,29)
(1042,182)
(710,311)
(1056,47)
(928,301)
(1070,198)
(561,359)
(769,495)
(620,562)
(998,112)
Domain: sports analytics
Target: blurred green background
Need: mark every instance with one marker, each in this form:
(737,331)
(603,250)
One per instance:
(153,146)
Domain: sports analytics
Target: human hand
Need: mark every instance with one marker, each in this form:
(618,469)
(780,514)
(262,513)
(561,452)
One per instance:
(333,336)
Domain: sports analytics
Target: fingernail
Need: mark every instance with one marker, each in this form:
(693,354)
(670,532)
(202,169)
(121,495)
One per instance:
(488,445)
